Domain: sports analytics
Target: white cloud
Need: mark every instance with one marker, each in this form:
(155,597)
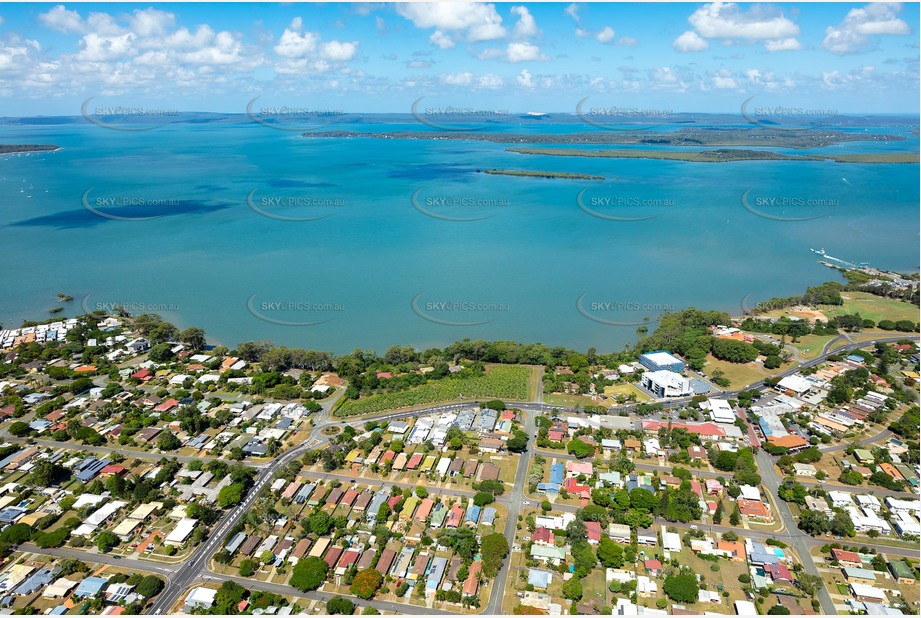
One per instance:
(606,35)
(853,34)
(723,81)
(729,22)
(690,41)
(62,19)
(295,44)
(489,81)
(627,41)
(573,11)
(767,80)
(95,48)
(441,39)
(151,22)
(790,44)
(338,52)
(523,52)
(470,21)
(524,78)
(526,26)
(457,79)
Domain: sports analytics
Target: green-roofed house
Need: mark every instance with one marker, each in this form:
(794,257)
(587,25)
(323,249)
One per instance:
(902,572)
(428,464)
(437,520)
(863,455)
(859,576)
(908,473)
(548,554)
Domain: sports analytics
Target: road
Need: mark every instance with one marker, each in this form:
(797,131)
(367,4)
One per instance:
(195,568)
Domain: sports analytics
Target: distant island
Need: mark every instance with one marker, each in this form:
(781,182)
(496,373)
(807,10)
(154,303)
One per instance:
(22,148)
(540,174)
(694,137)
(723,154)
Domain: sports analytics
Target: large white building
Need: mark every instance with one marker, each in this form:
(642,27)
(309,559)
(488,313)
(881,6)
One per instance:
(666,384)
(720,410)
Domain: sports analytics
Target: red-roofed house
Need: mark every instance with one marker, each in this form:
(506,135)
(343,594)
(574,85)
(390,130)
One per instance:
(575,468)
(455,515)
(388,457)
(779,573)
(572,486)
(543,536)
(386,375)
(392,502)
(555,435)
(112,470)
(653,567)
(847,558)
(697,453)
(472,583)
(414,461)
(424,510)
(593,528)
(507,415)
(755,509)
(167,405)
(143,375)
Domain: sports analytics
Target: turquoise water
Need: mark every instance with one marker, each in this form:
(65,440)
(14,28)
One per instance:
(521,270)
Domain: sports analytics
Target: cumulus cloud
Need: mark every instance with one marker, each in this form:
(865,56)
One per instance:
(470,21)
(457,79)
(854,34)
(337,51)
(524,78)
(61,19)
(526,26)
(294,43)
(690,41)
(729,22)
(606,35)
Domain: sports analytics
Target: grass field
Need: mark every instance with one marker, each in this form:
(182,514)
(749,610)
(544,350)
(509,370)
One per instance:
(506,382)
(627,390)
(572,401)
(873,307)
(741,374)
(811,346)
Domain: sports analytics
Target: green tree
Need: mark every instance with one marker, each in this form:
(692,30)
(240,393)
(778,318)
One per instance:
(681,587)
(483,498)
(736,517)
(106,541)
(228,597)
(610,553)
(230,495)
(149,586)
(494,549)
(320,523)
(193,337)
(340,605)
(580,449)
(572,589)
(309,574)
(167,441)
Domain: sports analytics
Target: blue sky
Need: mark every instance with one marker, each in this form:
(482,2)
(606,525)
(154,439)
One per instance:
(696,57)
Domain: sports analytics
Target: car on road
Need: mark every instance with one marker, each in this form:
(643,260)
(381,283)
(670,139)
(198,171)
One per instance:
(693,527)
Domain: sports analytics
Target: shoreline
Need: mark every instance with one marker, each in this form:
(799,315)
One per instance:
(27,148)
(721,155)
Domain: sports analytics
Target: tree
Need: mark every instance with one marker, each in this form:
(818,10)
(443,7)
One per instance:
(483,498)
(610,553)
(494,549)
(193,337)
(778,610)
(813,522)
(228,597)
(572,589)
(20,429)
(167,441)
(809,584)
(230,495)
(248,567)
(339,605)
(106,541)
(518,443)
(149,586)
(736,517)
(681,587)
(320,522)
(642,498)
(309,574)
(366,583)
(718,514)
(46,473)
(583,558)
(580,449)
(160,353)
(422,492)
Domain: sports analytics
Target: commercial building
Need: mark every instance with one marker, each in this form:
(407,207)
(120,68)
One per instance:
(664,384)
(661,361)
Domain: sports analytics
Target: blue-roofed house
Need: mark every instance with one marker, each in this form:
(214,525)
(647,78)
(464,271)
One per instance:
(11,514)
(548,488)
(436,572)
(60,610)
(35,582)
(88,468)
(762,555)
(557,471)
(39,425)
(235,543)
(90,587)
(856,358)
(472,516)
(539,579)
(489,516)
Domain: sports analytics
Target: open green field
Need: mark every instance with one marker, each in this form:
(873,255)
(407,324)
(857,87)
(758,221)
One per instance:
(874,307)
(505,382)
(572,401)
(811,346)
(741,374)
(626,390)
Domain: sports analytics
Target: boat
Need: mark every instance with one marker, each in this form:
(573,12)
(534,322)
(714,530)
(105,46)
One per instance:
(818,251)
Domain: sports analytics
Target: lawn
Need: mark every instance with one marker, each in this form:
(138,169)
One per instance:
(573,401)
(626,390)
(741,374)
(811,346)
(874,307)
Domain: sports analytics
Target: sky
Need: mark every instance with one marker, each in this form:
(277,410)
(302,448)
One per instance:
(370,57)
